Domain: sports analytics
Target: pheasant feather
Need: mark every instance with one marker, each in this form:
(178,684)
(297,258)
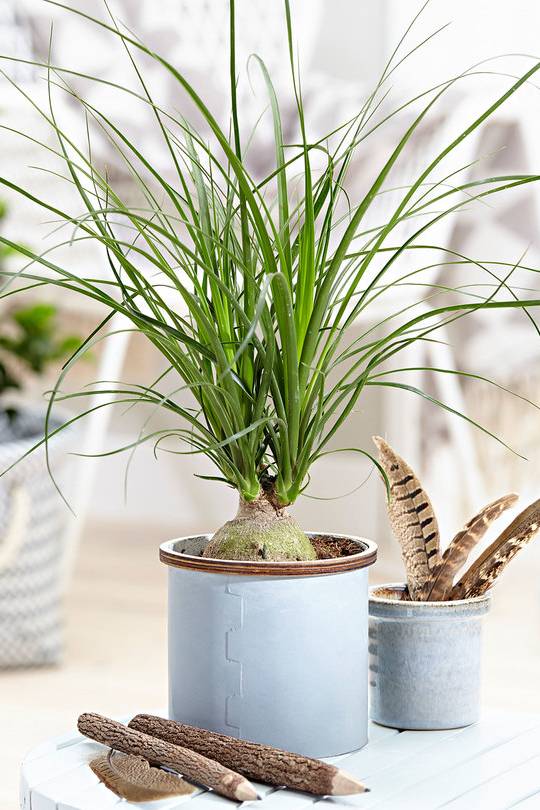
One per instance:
(485,570)
(412,519)
(133,778)
(439,586)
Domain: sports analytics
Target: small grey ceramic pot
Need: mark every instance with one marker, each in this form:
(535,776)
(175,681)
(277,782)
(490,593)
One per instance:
(274,652)
(424,661)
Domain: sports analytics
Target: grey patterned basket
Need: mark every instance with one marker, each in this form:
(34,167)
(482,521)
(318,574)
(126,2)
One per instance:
(33,522)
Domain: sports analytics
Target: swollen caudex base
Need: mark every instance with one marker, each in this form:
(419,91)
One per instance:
(260,531)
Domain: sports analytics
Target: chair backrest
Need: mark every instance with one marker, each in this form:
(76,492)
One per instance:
(15,40)
(201,31)
(428,141)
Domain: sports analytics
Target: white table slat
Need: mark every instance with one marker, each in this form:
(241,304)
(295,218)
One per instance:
(210,801)
(378,733)
(480,769)
(68,789)
(375,758)
(502,791)
(532,802)
(262,790)
(97,797)
(24,793)
(67,740)
(284,799)
(57,763)
(167,804)
(493,765)
(400,783)
(280,798)
(46,747)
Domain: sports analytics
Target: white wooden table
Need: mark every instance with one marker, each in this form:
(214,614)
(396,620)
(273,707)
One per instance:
(493,765)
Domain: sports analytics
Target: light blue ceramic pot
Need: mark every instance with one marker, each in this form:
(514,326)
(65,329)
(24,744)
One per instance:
(424,661)
(270,652)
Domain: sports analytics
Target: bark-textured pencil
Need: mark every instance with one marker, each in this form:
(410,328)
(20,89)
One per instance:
(254,760)
(189,763)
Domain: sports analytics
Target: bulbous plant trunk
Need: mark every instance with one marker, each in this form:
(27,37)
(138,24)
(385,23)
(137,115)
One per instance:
(261,530)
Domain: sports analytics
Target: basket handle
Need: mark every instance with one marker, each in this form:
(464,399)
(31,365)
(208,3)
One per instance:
(16,531)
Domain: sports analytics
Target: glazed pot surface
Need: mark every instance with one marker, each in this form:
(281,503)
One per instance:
(277,659)
(425,661)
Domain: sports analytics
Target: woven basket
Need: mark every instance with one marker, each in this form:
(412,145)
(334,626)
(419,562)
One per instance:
(33,522)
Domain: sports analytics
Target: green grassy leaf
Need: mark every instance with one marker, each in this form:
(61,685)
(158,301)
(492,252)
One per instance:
(247,287)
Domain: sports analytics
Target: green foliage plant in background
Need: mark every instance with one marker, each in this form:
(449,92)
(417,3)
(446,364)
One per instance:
(30,339)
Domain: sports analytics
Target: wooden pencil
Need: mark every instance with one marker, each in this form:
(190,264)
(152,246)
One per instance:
(194,766)
(254,760)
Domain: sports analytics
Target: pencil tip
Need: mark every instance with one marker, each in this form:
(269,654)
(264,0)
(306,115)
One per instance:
(343,784)
(245,792)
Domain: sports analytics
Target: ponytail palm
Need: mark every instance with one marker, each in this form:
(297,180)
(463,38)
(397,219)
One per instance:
(248,287)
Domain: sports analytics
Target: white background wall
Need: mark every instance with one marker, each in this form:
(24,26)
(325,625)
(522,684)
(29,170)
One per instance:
(351,42)
(358,35)
(478,29)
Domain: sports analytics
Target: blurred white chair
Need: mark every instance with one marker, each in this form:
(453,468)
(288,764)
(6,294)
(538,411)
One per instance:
(465,466)
(403,413)
(96,427)
(15,40)
(506,348)
(197,33)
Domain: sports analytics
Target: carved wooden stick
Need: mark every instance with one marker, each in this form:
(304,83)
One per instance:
(260,762)
(190,764)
